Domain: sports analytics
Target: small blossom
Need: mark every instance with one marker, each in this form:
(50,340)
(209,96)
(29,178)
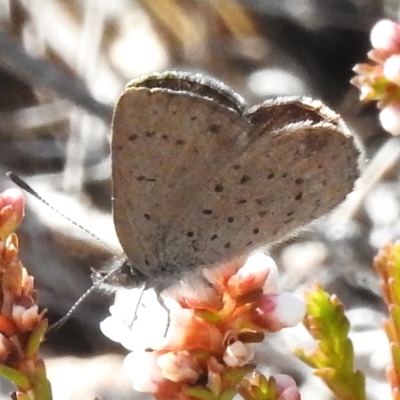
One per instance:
(238,354)
(385,35)
(391,69)
(287,387)
(22,326)
(252,275)
(379,80)
(12,205)
(207,342)
(390,118)
(278,387)
(279,311)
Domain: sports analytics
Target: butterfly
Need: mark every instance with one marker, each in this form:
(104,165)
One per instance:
(200,178)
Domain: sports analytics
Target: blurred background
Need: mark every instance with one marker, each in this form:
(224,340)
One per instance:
(63,65)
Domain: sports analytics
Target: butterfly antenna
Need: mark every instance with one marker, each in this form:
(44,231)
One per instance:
(24,186)
(57,325)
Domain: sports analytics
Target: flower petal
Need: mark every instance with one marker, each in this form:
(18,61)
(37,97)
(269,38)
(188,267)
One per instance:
(238,354)
(279,311)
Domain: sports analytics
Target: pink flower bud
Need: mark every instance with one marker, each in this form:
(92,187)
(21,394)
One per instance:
(391,69)
(287,387)
(385,35)
(12,205)
(252,275)
(15,198)
(390,118)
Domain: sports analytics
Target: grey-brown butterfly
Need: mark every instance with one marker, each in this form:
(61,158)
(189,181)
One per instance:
(200,178)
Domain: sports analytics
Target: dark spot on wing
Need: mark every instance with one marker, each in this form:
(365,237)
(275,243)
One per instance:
(214,128)
(244,179)
(298,196)
(219,187)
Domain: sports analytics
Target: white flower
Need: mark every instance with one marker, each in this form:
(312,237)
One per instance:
(142,369)
(149,327)
(289,309)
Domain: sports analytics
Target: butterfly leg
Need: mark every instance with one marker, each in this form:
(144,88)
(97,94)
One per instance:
(164,306)
(144,287)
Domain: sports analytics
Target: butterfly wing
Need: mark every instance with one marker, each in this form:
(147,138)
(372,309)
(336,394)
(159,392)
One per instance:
(197,180)
(284,176)
(164,144)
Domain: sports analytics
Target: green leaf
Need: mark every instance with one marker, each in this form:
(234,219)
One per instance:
(333,359)
(35,338)
(18,379)
(40,383)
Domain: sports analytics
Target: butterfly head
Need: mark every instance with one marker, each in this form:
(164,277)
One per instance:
(118,273)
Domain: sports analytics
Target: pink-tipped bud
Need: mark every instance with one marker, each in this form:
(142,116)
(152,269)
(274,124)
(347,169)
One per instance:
(12,204)
(252,275)
(385,35)
(391,69)
(287,387)
(390,118)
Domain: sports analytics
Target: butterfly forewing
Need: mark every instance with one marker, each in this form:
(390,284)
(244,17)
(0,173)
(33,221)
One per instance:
(165,145)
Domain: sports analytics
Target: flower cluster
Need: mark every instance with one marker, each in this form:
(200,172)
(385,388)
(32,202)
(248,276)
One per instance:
(22,326)
(387,264)
(380,79)
(207,350)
